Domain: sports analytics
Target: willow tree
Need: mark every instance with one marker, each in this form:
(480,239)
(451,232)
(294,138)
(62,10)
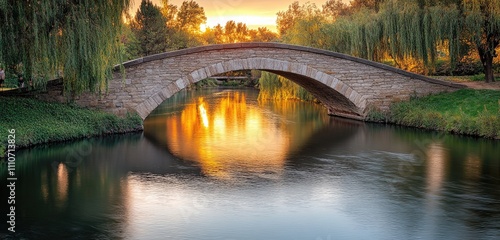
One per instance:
(416,27)
(413,29)
(408,31)
(308,31)
(482,23)
(39,39)
(275,87)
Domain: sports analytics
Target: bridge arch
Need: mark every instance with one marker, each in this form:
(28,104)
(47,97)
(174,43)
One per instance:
(338,97)
(346,85)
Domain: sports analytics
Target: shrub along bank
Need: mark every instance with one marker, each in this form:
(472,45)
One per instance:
(37,122)
(466,111)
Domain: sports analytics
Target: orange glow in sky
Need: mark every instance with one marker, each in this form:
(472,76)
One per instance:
(255,13)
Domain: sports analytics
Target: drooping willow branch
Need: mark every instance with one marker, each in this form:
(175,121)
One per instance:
(78,38)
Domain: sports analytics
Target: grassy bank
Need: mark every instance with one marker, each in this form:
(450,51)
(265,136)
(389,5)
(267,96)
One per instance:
(467,111)
(37,122)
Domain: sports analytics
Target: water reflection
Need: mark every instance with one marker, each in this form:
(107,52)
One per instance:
(473,167)
(436,168)
(329,179)
(224,134)
(62,183)
(44,186)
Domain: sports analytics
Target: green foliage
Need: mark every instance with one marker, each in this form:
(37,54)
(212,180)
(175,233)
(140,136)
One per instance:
(335,8)
(2,150)
(214,35)
(375,115)
(478,77)
(262,34)
(269,84)
(207,82)
(232,83)
(230,31)
(413,33)
(481,77)
(308,31)
(234,32)
(159,29)
(169,11)
(482,25)
(149,29)
(187,23)
(466,66)
(190,17)
(80,38)
(275,87)
(286,19)
(405,30)
(10,82)
(39,122)
(130,46)
(467,111)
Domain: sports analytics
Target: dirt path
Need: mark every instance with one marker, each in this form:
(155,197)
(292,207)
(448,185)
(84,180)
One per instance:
(482,85)
(470,84)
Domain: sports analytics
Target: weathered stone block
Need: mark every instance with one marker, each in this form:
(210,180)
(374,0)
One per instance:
(181,84)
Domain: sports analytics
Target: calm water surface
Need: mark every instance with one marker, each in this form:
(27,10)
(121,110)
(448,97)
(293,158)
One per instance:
(218,164)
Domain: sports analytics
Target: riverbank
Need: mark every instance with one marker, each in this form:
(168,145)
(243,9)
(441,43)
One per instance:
(37,122)
(473,112)
(467,111)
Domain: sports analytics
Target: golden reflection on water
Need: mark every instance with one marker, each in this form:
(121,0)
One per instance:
(44,185)
(436,168)
(62,183)
(473,167)
(227,135)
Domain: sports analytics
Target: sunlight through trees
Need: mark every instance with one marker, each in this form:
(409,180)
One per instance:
(83,40)
(412,34)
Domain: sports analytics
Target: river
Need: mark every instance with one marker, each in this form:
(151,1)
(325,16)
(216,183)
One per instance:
(218,164)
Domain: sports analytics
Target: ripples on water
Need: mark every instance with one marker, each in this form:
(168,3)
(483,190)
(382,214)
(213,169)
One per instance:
(276,171)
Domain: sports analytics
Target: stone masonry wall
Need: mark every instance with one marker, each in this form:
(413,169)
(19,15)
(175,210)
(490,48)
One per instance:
(348,86)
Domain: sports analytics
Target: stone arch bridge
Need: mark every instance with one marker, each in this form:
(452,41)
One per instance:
(346,85)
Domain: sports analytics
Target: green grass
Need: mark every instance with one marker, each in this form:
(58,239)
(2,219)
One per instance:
(470,78)
(480,77)
(466,111)
(207,82)
(37,122)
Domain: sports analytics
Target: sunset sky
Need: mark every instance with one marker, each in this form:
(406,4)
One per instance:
(255,13)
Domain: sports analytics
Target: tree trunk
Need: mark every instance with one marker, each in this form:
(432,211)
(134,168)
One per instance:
(488,69)
(487,61)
